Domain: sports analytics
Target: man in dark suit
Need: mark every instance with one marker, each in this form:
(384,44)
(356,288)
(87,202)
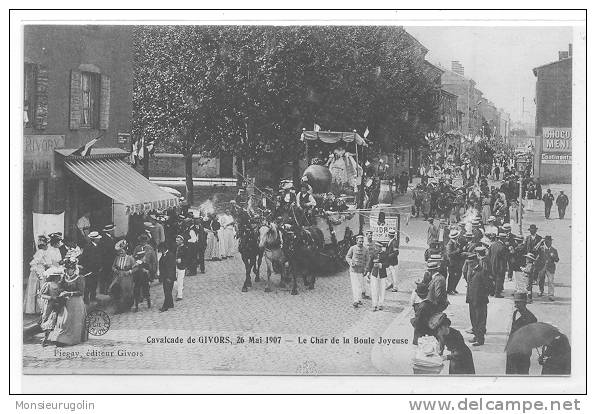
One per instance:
(498,255)
(167,274)
(91,260)
(519,363)
(392,260)
(533,240)
(108,254)
(479,287)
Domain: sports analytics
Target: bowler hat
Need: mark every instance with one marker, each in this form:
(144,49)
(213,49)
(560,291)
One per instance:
(550,238)
(533,227)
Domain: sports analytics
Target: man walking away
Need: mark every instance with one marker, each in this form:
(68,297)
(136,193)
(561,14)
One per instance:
(548,199)
(562,202)
(357,258)
(479,287)
(167,274)
(548,258)
(498,255)
(181,265)
(519,364)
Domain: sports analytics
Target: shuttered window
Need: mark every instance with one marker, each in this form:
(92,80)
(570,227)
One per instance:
(29,94)
(89,100)
(35,105)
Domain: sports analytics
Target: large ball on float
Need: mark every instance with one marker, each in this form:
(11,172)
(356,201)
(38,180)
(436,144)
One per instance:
(319,178)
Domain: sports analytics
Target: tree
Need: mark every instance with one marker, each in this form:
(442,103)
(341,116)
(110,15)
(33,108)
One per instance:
(176,90)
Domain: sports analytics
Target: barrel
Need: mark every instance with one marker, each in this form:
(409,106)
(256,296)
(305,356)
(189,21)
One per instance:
(386,192)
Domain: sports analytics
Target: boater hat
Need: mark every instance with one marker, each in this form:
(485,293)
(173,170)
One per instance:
(454,234)
(360,236)
(491,218)
(391,231)
(94,235)
(530,256)
(432,265)
(109,227)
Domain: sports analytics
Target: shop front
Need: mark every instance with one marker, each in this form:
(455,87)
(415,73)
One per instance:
(106,186)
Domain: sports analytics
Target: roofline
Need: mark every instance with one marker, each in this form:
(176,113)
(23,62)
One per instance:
(551,63)
(416,40)
(434,66)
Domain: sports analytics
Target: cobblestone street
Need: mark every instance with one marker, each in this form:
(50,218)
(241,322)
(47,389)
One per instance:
(214,305)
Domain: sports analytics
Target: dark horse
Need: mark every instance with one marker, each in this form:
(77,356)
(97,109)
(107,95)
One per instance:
(303,249)
(248,246)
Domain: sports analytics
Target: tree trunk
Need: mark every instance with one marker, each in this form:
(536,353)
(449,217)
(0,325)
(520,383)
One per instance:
(189,182)
(240,173)
(296,170)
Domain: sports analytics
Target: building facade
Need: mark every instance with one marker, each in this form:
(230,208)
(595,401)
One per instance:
(468,101)
(554,119)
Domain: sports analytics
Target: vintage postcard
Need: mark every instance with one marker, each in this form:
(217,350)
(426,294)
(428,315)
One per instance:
(356,196)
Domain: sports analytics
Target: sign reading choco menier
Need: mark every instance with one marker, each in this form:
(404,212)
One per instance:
(556,145)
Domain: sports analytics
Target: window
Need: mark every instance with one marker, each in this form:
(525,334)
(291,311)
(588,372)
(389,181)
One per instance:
(29,95)
(89,100)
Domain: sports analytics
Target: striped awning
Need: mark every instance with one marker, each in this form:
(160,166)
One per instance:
(119,181)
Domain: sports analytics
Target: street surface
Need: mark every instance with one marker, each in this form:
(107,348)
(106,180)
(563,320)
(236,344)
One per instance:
(261,331)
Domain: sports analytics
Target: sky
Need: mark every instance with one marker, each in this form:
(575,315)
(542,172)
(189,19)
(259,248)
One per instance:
(499,59)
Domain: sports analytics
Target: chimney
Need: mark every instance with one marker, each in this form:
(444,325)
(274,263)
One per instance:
(570,50)
(457,67)
(563,55)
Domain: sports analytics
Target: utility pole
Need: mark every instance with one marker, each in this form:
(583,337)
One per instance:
(519,207)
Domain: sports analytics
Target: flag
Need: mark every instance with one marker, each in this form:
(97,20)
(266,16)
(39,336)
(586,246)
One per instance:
(141,148)
(86,149)
(317,127)
(134,149)
(366,132)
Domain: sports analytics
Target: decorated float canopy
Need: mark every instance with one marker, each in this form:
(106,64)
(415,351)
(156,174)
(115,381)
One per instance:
(333,137)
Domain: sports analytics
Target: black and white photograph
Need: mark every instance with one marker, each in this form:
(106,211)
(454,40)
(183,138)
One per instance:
(338,198)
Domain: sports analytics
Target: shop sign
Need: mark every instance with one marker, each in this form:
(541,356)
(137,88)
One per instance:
(561,159)
(38,155)
(381,231)
(556,140)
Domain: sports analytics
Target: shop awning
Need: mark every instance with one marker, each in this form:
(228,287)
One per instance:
(119,181)
(332,137)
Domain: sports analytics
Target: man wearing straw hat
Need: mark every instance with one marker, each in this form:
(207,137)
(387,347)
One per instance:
(91,260)
(479,287)
(454,256)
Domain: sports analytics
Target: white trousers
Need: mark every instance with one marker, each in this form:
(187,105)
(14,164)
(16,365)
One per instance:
(363,284)
(549,281)
(179,283)
(377,291)
(392,275)
(356,281)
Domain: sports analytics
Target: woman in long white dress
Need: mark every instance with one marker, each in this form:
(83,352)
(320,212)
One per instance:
(39,264)
(227,235)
